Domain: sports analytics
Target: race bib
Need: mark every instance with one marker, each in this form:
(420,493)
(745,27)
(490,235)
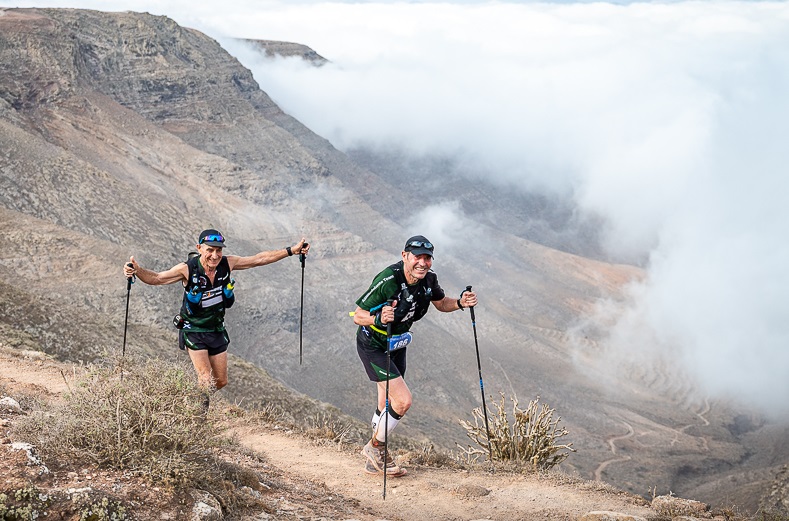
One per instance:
(212,297)
(400,341)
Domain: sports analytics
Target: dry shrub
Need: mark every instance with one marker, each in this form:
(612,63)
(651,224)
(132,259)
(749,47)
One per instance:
(531,438)
(428,456)
(672,506)
(150,422)
(325,427)
(763,515)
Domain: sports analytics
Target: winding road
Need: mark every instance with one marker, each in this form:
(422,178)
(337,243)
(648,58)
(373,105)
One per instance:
(612,444)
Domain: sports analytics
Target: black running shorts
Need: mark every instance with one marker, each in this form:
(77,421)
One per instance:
(213,342)
(374,359)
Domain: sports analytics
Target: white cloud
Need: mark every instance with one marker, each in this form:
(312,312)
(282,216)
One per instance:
(668,119)
(446,226)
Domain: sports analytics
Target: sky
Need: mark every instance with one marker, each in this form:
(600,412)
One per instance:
(668,120)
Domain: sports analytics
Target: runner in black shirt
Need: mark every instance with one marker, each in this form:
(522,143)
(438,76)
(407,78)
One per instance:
(208,291)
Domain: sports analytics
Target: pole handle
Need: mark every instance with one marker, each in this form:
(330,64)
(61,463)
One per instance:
(129,280)
(388,325)
(471,308)
(303,257)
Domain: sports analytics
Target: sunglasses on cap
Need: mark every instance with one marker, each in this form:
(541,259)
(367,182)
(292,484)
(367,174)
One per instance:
(420,244)
(212,238)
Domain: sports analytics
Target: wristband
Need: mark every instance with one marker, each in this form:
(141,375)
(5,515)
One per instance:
(377,320)
(290,252)
(460,306)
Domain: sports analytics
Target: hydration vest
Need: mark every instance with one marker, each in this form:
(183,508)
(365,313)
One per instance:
(204,302)
(412,301)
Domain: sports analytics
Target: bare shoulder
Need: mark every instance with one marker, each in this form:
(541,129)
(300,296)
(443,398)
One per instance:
(177,273)
(232,261)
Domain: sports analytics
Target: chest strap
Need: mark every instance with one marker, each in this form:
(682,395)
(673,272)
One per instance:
(376,329)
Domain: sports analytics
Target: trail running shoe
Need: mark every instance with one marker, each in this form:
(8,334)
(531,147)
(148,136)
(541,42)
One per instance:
(394,472)
(375,457)
(369,468)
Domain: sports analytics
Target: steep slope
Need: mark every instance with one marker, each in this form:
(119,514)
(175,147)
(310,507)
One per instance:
(124,134)
(301,478)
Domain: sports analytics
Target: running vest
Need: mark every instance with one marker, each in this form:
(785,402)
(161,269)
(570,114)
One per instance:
(204,303)
(412,301)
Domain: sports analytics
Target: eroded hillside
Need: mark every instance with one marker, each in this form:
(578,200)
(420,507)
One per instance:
(125,134)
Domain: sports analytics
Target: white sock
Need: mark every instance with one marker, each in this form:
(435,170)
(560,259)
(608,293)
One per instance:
(385,426)
(376,418)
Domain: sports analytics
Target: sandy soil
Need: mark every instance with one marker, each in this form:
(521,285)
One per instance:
(423,494)
(429,493)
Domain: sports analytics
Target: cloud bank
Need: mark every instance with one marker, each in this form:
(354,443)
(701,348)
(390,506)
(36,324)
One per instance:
(668,120)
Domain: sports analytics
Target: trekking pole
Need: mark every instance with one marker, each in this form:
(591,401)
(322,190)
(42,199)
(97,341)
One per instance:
(129,282)
(386,409)
(481,385)
(302,258)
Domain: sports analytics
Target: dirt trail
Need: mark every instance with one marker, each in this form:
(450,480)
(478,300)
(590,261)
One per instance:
(35,368)
(429,493)
(424,494)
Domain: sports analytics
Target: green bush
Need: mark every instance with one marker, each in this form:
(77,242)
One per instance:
(530,438)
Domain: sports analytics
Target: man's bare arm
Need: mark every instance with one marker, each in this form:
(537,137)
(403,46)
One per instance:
(265,257)
(179,272)
(447,304)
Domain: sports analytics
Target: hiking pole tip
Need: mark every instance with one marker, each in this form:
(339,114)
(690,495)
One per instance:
(302,259)
(481,384)
(129,282)
(387,409)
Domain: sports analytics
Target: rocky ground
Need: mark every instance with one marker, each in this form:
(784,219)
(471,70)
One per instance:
(286,475)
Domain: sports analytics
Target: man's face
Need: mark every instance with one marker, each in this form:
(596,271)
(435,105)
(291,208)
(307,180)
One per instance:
(209,256)
(416,266)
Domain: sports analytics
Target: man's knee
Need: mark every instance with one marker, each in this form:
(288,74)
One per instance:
(401,404)
(220,382)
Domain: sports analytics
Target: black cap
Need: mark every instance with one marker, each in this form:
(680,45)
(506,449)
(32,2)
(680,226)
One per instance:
(211,238)
(419,245)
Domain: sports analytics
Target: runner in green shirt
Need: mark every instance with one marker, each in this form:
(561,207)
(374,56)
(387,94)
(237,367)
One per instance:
(412,286)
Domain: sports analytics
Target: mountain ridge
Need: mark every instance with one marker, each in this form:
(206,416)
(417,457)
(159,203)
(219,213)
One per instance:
(124,134)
